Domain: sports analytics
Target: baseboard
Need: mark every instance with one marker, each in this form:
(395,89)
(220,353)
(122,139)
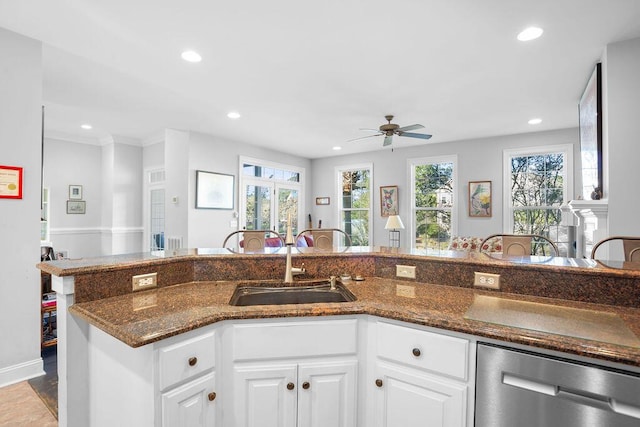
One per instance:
(21,372)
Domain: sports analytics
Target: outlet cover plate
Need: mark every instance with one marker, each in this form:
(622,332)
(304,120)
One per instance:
(144,281)
(486,280)
(408,271)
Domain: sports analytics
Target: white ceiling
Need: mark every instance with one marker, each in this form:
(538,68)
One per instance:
(307,75)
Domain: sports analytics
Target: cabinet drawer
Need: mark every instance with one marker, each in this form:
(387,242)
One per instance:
(294,339)
(185,359)
(441,354)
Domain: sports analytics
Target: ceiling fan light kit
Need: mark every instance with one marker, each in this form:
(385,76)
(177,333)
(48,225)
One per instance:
(389,129)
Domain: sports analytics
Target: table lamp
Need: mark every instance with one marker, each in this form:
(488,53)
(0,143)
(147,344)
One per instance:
(394,225)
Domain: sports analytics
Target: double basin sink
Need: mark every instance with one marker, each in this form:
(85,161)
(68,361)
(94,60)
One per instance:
(269,293)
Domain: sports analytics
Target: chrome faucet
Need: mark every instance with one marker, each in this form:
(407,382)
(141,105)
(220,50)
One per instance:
(289,241)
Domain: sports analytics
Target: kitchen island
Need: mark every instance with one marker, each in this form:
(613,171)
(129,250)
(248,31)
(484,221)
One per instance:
(195,286)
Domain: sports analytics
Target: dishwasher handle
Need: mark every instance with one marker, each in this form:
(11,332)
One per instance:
(581,397)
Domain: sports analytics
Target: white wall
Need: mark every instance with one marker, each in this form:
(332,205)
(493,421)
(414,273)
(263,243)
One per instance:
(71,163)
(20,145)
(621,69)
(209,227)
(478,160)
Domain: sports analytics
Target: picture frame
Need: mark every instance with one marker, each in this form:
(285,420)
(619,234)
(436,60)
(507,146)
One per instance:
(480,199)
(590,125)
(214,190)
(75,207)
(323,201)
(11,182)
(389,200)
(75,192)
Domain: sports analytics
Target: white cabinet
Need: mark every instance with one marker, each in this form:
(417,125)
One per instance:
(191,404)
(315,394)
(265,396)
(187,381)
(407,397)
(295,373)
(327,394)
(419,378)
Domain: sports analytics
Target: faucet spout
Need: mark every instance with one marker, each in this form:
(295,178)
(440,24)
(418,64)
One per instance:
(288,241)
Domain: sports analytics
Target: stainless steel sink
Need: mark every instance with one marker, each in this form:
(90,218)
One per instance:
(271,294)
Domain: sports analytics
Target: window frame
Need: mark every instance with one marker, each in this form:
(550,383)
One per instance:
(338,171)
(274,185)
(567,192)
(420,161)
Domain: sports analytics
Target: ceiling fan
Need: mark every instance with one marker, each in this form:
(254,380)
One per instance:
(390,129)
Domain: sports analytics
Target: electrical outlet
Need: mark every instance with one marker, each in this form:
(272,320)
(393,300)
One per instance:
(408,271)
(144,281)
(406,291)
(487,280)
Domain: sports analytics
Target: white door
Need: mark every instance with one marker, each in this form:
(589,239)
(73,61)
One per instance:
(327,394)
(265,396)
(258,211)
(409,398)
(191,405)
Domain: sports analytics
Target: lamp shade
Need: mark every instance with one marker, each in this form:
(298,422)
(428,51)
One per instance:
(394,223)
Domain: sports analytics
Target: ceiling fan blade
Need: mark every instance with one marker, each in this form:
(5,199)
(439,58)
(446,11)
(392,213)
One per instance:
(410,127)
(363,137)
(387,140)
(415,135)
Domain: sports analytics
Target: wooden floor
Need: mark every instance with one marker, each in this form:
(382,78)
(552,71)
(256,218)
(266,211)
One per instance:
(20,406)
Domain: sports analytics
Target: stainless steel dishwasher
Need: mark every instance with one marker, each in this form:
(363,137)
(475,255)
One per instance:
(520,389)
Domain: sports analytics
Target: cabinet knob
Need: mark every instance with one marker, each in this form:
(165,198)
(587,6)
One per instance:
(193,361)
(211,396)
(290,386)
(416,352)
(379,382)
(306,385)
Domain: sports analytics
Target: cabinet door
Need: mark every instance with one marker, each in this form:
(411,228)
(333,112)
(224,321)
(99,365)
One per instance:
(192,404)
(265,396)
(327,394)
(408,398)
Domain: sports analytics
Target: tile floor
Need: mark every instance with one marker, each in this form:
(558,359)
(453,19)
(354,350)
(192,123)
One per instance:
(20,406)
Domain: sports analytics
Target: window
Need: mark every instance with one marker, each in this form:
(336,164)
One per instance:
(433,186)
(537,182)
(269,192)
(156,209)
(355,196)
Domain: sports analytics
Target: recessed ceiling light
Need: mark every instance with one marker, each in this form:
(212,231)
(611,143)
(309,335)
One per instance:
(337,148)
(233,115)
(86,126)
(530,33)
(535,121)
(191,56)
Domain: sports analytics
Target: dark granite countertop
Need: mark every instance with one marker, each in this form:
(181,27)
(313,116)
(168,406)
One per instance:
(145,317)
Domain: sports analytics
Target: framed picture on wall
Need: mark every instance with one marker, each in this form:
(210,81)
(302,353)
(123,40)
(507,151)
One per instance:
(76,206)
(214,190)
(75,192)
(389,200)
(10,182)
(480,199)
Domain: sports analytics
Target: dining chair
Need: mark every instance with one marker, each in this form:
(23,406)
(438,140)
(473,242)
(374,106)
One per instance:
(321,238)
(255,240)
(518,244)
(630,247)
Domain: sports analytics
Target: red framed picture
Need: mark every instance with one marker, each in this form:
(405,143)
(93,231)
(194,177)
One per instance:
(10,182)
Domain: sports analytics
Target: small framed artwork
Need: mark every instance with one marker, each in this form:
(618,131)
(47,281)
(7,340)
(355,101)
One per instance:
(214,190)
(389,200)
(323,201)
(10,182)
(76,206)
(75,192)
(480,199)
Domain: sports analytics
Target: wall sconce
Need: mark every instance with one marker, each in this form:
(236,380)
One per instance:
(394,225)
